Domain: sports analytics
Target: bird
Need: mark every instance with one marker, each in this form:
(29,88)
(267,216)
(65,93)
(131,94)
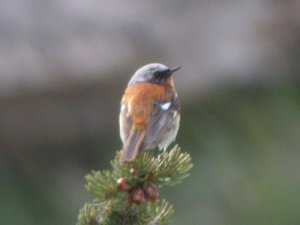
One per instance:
(149,112)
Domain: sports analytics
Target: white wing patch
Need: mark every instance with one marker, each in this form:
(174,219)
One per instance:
(165,106)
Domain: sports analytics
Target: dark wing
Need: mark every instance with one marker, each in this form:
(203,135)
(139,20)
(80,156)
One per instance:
(163,116)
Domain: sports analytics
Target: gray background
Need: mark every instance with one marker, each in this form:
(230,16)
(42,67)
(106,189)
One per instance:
(64,65)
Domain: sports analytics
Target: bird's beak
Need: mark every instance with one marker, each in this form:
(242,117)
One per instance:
(172,70)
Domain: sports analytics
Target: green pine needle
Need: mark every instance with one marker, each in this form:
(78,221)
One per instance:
(88,215)
(163,213)
(114,205)
(172,167)
(102,184)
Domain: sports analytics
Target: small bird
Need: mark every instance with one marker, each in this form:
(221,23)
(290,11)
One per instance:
(150,111)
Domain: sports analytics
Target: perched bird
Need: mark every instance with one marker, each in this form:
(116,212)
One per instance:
(150,111)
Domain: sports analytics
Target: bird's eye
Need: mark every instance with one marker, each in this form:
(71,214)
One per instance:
(161,73)
(156,73)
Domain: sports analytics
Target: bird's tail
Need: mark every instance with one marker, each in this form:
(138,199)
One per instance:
(132,145)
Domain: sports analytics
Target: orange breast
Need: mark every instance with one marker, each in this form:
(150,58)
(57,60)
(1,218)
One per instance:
(140,99)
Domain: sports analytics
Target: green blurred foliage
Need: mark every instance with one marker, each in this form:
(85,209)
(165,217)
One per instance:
(244,143)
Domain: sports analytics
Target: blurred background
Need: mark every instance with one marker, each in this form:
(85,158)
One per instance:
(64,65)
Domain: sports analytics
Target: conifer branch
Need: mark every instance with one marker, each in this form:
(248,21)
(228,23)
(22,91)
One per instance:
(127,195)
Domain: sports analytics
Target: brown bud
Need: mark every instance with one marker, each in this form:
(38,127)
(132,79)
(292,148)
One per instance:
(122,184)
(150,192)
(149,176)
(137,196)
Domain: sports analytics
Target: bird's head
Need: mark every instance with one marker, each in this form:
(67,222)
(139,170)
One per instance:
(154,73)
